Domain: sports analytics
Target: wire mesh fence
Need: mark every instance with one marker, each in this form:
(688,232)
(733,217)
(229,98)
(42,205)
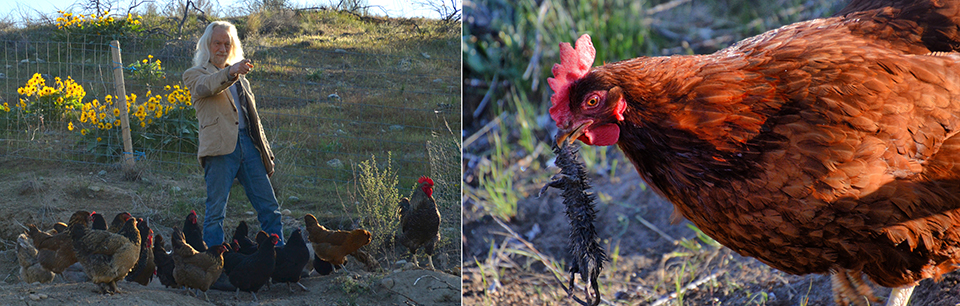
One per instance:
(323,110)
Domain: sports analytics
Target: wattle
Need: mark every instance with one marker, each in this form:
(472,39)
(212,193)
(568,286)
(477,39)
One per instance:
(604,135)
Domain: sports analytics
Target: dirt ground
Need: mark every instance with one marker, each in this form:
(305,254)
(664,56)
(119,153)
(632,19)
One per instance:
(45,192)
(644,265)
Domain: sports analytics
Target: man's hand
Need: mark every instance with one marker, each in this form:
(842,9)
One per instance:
(241,67)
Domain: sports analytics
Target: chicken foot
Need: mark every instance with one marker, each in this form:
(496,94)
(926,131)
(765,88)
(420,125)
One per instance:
(588,255)
(290,287)
(255,299)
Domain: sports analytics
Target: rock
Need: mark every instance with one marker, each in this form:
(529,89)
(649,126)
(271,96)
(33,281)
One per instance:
(338,50)
(335,163)
(285,212)
(249,213)
(396,127)
(95,188)
(34,297)
(102,172)
(425,55)
(438,80)
(293,199)
(43,295)
(175,189)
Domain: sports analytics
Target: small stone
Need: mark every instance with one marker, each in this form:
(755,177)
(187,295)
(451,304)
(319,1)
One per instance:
(338,50)
(387,282)
(438,80)
(102,172)
(43,295)
(425,55)
(34,297)
(401,262)
(285,212)
(293,199)
(95,188)
(249,213)
(396,127)
(175,189)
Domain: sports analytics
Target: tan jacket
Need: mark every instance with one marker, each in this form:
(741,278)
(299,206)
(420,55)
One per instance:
(217,113)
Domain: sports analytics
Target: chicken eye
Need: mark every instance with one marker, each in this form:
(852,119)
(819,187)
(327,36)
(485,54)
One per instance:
(593,101)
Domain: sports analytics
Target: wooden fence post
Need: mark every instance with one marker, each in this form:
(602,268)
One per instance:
(127,155)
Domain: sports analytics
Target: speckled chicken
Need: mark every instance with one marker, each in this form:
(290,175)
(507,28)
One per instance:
(106,257)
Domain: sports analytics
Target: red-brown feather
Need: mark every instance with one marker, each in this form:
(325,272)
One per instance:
(823,145)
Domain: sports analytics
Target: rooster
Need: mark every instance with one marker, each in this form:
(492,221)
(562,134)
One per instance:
(420,221)
(825,146)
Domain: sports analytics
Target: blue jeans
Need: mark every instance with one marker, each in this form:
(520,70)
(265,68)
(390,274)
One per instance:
(245,165)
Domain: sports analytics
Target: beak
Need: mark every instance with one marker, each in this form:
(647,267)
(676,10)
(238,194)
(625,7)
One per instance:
(568,136)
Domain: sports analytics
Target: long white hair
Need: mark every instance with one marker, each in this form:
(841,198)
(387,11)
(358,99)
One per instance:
(202,56)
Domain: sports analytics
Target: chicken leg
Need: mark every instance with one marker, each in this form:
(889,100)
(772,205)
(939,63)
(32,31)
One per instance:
(900,296)
(849,289)
(430,259)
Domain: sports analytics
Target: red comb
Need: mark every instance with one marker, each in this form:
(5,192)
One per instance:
(574,64)
(424,179)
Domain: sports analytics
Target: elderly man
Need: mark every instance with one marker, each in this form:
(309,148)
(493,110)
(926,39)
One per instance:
(232,143)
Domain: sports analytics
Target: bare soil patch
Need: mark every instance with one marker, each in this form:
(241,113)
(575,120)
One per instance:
(42,192)
(645,265)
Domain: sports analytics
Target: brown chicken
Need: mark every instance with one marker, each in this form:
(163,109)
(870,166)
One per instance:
(107,257)
(420,221)
(334,246)
(118,221)
(192,269)
(825,146)
(55,251)
(30,269)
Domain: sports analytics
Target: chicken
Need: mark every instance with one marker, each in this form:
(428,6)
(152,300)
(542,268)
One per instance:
(30,269)
(247,246)
(420,220)
(193,232)
(192,269)
(107,257)
(825,146)
(164,263)
(291,258)
(118,221)
(55,252)
(98,222)
(321,266)
(250,272)
(145,268)
(334,246)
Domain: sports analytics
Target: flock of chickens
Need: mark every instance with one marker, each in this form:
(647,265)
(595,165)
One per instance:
(129,249)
